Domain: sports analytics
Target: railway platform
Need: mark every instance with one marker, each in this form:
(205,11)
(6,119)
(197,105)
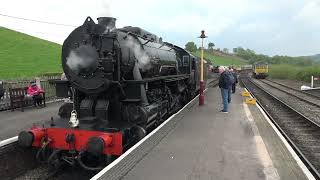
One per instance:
(13,122)
(202,143)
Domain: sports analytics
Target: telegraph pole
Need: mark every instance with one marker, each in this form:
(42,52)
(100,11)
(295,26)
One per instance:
(202,86)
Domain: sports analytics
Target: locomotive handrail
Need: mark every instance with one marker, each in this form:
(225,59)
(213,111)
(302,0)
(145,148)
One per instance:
(157,78)
(129,32)
(149,40)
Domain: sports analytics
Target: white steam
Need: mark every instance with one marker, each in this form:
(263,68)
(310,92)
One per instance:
(141,55)
(109,28)
(74,62)
(103,8)
(83,59)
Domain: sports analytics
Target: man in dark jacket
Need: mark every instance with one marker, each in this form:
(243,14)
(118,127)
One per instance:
(233,72)
(224,85)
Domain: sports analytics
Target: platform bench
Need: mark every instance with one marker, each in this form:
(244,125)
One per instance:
(20,99)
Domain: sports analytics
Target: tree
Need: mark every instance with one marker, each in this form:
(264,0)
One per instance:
(191,46)
(211,45)
(225,50)
(235,50)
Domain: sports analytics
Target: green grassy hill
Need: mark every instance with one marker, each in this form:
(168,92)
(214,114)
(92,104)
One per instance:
(295,72)
(24,56)
(221,60)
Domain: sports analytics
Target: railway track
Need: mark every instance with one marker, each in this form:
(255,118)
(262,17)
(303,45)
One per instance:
(315,93)
(301,95)
(307,105)
(301,132)
(19,164)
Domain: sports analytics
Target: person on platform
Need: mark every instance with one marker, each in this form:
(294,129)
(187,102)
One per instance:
(36,93)
(234,73)
(225,84)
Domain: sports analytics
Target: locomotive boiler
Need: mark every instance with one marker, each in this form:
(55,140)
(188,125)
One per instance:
(124,82)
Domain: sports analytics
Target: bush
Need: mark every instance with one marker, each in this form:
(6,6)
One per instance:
(286,71)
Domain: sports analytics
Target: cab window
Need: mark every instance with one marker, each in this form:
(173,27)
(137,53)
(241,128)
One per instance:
(185,60)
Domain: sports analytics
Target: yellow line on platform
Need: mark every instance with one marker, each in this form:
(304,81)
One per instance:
(270,172)
(287,145)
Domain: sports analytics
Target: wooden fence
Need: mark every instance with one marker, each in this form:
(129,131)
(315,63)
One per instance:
(46,85)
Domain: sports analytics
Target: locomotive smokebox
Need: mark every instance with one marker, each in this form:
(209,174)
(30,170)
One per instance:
(108,22)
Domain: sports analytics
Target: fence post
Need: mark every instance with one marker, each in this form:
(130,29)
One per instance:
(311,81)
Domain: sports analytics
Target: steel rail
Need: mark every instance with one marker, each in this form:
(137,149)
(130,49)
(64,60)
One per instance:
(294,89)
(291,94)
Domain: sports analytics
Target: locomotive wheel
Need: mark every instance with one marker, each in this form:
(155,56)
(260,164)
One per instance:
(185,97)
(55,160)
(43,154)
(136,134)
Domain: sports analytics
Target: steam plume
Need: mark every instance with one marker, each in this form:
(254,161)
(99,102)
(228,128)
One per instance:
(141,56)
(82,59)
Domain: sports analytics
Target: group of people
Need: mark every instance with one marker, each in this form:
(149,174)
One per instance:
(227,84)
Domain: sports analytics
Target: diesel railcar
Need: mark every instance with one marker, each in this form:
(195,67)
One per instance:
(260,70)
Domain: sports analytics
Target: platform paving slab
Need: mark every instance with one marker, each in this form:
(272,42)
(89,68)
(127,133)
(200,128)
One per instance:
(283,161)
(13,122)
(207,144)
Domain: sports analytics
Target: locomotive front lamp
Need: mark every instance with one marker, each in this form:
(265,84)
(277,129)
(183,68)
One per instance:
(202,86)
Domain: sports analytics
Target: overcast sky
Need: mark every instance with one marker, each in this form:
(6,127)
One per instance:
(284,27)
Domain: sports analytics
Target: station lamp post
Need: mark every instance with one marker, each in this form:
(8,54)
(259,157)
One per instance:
(201,96)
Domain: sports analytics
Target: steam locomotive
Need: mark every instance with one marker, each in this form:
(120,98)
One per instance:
(124,82)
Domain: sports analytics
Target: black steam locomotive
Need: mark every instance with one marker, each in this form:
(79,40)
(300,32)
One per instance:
(124,82)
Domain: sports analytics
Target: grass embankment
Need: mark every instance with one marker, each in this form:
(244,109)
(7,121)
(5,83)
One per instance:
(23,56)
(221,60)
(286,71)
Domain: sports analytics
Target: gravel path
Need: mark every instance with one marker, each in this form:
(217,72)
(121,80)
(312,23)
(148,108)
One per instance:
(38,173)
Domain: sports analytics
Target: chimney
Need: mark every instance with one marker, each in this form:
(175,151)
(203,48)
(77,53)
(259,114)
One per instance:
(108,22)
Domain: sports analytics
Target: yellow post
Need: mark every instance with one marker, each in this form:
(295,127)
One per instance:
(201,94)
(201,78)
